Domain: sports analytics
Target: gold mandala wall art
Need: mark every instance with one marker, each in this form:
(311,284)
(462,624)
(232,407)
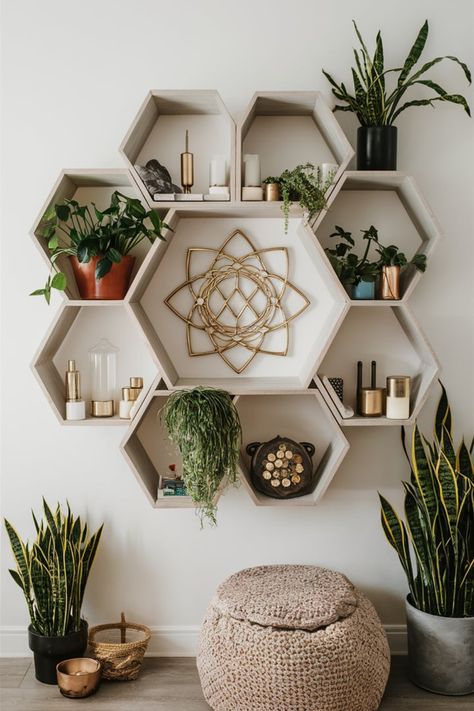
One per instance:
(237,301)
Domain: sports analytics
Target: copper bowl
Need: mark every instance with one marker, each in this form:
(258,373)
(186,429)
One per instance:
(78,678)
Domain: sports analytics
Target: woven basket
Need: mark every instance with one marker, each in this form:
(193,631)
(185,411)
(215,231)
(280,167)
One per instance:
(122,660)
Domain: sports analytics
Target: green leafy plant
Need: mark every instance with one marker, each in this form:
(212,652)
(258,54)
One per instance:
(205,426)
(372,102)
(53,571)
(271,180)
(439,531)
(304,185)
(77,230)
(351,269)
(392,257)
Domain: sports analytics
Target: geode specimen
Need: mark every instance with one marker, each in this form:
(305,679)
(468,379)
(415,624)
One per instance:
(157,178)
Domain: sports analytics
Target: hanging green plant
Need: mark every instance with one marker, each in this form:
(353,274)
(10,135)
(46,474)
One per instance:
(304,185)
(204,424)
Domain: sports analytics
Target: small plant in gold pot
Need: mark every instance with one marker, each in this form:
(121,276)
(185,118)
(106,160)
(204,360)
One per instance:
(98,244)
(391,264)
(271,189)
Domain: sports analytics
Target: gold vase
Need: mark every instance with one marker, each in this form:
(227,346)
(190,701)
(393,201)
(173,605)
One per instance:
(390,283)
(272,192)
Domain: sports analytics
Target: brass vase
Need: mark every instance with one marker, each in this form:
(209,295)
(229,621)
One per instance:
(272,192)
(390,283)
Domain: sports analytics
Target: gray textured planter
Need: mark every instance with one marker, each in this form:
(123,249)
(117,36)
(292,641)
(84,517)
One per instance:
(441,652)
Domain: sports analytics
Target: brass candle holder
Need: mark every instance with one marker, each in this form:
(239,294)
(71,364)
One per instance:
(78,678)
(187,166)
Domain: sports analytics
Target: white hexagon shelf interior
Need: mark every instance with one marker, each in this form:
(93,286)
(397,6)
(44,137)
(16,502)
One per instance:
(393,203)
(87,187)
(158,132)
(309,334)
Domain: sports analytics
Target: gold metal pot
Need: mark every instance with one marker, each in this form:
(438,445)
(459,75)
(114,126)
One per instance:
(272,192)
(78,678)
(390,283)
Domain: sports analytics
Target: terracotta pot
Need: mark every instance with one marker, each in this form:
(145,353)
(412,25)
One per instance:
(113,285)
(390,283)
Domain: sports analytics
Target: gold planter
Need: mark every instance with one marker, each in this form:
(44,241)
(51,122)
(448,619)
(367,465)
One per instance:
(390,283)
(272,192)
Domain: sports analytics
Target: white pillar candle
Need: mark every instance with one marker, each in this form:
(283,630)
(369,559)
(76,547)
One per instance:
(327,169)
(398,397)
(252,176)
(218,171)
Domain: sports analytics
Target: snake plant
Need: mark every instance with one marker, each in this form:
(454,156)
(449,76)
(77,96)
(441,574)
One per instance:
(376,105)
(204,424)
(436,544)
(53,571)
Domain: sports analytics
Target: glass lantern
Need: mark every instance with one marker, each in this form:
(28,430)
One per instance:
(103,378)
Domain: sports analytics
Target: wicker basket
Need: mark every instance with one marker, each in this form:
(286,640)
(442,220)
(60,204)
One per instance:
(121,660)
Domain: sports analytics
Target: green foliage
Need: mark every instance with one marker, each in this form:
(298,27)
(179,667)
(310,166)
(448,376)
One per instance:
(76,230)
(372,102)
(205,426)
(351,269)
(304,185)
(392,257)
(53,571)
(271,180)
(435,545)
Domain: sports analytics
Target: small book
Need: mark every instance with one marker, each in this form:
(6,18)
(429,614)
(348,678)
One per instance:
(343,410)
(163,197)
(189,197)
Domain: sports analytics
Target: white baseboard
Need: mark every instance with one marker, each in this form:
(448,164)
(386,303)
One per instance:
(167,641)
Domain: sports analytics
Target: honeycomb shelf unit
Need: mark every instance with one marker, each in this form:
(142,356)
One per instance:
(287,128)
(77,326)
(393,202)
(301,416)
(273,395)
(309,335)
(393,338)
(87,186)
(158,131)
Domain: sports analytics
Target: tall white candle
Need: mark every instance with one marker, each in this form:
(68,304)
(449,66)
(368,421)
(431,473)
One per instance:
(252,176)
(218,171)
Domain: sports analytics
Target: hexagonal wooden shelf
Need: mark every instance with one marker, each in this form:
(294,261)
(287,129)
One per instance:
(393,202)
(309,335)
(287,128)
(158,131)
(77,326)
(301,416)
(87,186)
(393,338)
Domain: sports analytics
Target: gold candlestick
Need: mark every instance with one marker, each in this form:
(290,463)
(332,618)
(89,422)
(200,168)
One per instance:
(187,166)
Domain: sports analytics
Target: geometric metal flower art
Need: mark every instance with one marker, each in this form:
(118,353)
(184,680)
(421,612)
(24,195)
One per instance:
(237,301)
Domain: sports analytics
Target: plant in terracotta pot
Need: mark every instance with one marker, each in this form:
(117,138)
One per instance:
(98,244)
(205,426)
(377,106)
(435,546)
(305,186)
(357,274)
(52,573)
(391,264)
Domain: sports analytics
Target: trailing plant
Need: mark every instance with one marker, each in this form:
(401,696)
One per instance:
(392,257)
(84,232)
(204,424)
(53,571)
(435,545)
(351,269)
(376,105)
(304,185)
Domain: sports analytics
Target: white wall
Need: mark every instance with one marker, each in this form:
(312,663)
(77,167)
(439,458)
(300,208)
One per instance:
(74,75)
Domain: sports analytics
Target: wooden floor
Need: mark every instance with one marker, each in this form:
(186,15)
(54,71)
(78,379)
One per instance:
(173,685)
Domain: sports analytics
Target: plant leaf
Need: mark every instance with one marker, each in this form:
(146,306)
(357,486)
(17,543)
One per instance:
(59,281)
(414,53)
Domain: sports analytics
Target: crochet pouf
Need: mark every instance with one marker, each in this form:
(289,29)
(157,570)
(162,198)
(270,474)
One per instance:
(292,638)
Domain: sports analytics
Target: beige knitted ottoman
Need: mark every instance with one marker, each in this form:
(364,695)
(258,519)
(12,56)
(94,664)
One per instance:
(292,638)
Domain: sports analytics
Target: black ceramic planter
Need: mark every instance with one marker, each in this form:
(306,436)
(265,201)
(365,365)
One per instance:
(49,651)
(377,148)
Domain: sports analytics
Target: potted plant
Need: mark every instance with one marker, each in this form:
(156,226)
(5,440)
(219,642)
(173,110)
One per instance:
(98,244)
(358,275)
(271,189)
(304,185)
(205,426)
(377,107)
(436,550)
(53,573)
(391,262)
